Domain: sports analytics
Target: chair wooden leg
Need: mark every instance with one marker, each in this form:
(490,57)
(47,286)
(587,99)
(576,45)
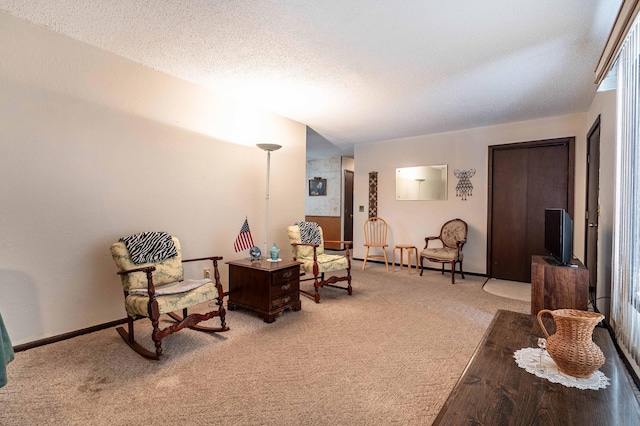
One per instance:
(386,261)
(421,265)
(461,273)
(443,268)
(453,272)
(365,258)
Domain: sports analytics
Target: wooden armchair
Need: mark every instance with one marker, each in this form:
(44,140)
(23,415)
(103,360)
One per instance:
(155,288)
(315,261)
(453,236)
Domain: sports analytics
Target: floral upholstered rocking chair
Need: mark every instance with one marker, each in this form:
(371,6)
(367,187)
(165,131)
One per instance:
(155,285)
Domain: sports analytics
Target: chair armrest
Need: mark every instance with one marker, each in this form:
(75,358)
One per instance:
(216,274)
(426,241)
(339,242)
(146,269)
(151,289)
(346,244)
(305,244)
(202,258)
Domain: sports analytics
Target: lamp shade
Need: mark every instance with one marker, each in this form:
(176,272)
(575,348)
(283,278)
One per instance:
(269,146)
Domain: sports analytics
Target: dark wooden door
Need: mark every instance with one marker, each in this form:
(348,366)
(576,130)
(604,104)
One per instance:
(348,205)
(592,214)
(524,179)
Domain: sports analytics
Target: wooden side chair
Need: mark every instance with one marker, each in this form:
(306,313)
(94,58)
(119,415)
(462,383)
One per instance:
(315,261)
(453,237)
(158,287)
(375,236)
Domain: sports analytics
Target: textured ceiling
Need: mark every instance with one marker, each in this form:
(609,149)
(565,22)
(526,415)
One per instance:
(359,71)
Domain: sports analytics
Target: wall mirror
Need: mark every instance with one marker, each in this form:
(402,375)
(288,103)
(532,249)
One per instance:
(421,183)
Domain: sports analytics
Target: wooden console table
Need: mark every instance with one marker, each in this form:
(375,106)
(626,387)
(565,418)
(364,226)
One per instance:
(558,287)
(267,288)
(493,390)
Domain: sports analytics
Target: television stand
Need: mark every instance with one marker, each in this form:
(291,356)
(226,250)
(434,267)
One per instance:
(558,286)
(552,261)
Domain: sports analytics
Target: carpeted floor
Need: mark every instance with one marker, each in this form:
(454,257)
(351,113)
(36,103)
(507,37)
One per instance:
(389,354)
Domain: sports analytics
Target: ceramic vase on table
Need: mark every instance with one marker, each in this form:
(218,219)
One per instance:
(275,252)
(572,347)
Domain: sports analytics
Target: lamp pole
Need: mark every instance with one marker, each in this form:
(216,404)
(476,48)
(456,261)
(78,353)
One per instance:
(269,147)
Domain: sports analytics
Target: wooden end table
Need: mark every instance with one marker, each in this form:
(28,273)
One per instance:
(264,287)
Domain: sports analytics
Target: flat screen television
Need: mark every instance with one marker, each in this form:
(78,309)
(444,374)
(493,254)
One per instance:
(558,235)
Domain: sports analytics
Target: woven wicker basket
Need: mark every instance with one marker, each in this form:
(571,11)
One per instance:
(572,347)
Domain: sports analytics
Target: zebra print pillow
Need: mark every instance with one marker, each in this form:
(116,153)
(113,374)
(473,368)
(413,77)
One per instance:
(309,232)
(148,247)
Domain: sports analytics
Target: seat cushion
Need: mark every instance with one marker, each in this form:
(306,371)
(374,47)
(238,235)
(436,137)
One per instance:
(137,304)
(326,263)
(172,288)
(444,254)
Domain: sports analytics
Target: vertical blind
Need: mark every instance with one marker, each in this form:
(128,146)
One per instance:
(625,313)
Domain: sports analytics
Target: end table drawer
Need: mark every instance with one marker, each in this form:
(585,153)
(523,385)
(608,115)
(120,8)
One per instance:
(280,288)
(284,300)
(286,275)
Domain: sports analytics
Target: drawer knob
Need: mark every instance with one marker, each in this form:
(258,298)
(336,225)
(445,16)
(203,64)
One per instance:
(286,299)
(287,286)
(287,274)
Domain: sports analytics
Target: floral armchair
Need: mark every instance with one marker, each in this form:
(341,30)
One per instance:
(453,237)
(315,261)
(155,288)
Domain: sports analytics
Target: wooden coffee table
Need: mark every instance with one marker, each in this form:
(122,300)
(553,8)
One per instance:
(267,288)
(493,390)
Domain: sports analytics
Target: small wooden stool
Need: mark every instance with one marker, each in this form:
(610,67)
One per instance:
(409,249)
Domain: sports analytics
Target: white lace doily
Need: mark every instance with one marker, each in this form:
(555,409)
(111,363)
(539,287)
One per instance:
(529,359)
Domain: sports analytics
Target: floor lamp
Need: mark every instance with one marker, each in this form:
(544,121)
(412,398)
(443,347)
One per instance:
(267,147)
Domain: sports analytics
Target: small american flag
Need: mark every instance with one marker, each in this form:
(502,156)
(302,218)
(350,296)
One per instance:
(244,240)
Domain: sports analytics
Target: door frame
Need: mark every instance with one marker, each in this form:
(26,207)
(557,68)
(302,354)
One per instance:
(525,145)
(592,273)
(348,199)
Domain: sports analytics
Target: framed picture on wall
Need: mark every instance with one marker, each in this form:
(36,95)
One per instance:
(317,186)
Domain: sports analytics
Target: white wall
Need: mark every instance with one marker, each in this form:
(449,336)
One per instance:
(411,221)
(604,105)
(95,147)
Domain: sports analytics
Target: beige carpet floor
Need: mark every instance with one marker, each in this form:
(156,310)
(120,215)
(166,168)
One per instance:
(510,289)
(387,355)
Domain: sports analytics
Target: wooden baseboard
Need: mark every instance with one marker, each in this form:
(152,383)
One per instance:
(65,336)
(428,268)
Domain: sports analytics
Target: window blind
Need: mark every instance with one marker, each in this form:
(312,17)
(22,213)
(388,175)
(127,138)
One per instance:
(625,313)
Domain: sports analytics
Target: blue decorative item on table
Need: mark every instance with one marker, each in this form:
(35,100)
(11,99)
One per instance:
(255,253)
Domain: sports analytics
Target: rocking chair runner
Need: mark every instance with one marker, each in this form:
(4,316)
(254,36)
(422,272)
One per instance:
(156,288)
(317,262)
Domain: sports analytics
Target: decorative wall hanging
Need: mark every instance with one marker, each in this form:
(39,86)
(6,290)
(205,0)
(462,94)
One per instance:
(464,187)
(317,186)
(373,194)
